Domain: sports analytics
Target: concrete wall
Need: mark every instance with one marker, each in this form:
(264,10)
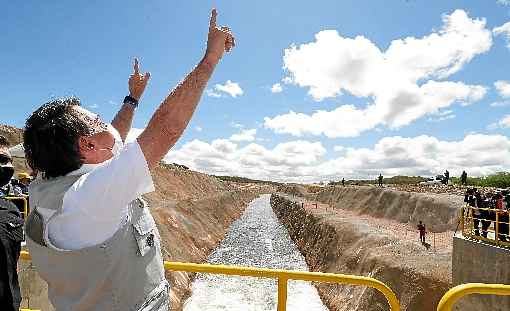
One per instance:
(477,262)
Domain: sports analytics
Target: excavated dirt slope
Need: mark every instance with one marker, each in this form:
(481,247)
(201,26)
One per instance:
(337,242)
(438,211)
(15,136)
(192,211)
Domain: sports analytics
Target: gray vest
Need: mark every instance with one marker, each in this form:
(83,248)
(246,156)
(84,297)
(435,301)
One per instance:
(123,273)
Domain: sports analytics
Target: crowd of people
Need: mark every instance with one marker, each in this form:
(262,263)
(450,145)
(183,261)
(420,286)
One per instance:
(486,209)
(11,230)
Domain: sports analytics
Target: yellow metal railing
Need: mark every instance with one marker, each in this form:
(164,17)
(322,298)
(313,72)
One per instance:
(450,298)
(282,276)
(25,204)
(496,233)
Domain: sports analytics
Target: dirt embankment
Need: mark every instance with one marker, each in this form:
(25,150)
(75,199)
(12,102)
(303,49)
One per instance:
(437,211)
(15,136)
(334,243)
(193,212)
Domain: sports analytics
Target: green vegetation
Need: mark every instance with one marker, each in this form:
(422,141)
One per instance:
(245,180)
(498,180)
(173,166)
(396,180)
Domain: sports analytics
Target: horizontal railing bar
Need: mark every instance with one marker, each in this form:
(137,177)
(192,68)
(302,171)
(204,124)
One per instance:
(450,298)
(275,274)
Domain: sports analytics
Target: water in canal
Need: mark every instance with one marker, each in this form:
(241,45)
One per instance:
(257,239)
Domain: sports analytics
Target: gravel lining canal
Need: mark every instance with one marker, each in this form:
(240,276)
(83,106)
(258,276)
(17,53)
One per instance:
(257,239)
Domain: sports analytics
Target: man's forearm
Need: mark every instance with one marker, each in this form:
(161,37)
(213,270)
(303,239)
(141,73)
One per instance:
(123,119)
(173,115)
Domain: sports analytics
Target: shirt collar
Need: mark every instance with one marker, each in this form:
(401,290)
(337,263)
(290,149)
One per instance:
(84,169)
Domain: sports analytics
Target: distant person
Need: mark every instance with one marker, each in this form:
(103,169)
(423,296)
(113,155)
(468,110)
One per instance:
(90,235)
(502,217)
(20,188)
(446,177)
(7,169)
(380,180)
(484,204)
(11,235)
(343,182)
(471,201)
(423,231)
(463,178)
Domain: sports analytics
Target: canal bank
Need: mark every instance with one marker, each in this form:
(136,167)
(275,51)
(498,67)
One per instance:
(336,242)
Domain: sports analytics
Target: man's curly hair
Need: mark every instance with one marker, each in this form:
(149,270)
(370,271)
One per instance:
(51,138)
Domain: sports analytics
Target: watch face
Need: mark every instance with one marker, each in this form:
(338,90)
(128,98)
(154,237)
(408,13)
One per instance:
(131,101)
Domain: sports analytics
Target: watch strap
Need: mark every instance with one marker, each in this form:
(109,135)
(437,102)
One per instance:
(131,101)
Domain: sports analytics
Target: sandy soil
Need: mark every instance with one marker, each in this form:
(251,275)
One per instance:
(440,242)
(438,211)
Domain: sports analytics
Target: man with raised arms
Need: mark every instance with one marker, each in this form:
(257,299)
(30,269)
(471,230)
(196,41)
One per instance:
(90,235)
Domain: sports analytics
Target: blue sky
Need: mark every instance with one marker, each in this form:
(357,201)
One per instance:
(85,48)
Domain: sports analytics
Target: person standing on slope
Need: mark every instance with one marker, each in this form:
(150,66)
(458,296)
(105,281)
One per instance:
(90,236)
(423,231)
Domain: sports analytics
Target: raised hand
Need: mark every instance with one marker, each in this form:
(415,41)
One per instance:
(137,82)
(219,40)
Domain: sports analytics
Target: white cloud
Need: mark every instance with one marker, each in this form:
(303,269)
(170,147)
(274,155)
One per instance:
(212,93)
(425,155)
(198,129)
(236,125)
(505,31)
(231,88)
(244,135)
(402,83)
(303,161)
(503,88)
(287,80)
(503,123)
(443,116)
(276,88)
(222,157)
(504,103)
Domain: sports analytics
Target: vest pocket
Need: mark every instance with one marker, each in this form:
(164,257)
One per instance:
(158,299)
(145,234)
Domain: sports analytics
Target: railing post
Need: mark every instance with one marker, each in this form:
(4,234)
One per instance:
(471,220)
(282,294)
(497,227)
(462,220)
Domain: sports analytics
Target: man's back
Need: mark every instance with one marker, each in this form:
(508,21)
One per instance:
(11,235)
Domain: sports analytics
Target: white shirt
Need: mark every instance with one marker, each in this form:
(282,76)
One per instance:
(96,206)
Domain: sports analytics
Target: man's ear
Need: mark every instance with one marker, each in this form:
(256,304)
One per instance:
(85,146)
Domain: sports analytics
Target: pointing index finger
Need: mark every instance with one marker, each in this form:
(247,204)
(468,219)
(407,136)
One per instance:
(212,22)
(136,66)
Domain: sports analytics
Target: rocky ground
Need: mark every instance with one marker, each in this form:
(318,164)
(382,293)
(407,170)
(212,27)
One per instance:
(439,189)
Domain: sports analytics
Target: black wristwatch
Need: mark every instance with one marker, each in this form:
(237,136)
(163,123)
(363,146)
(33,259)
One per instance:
(131,101)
